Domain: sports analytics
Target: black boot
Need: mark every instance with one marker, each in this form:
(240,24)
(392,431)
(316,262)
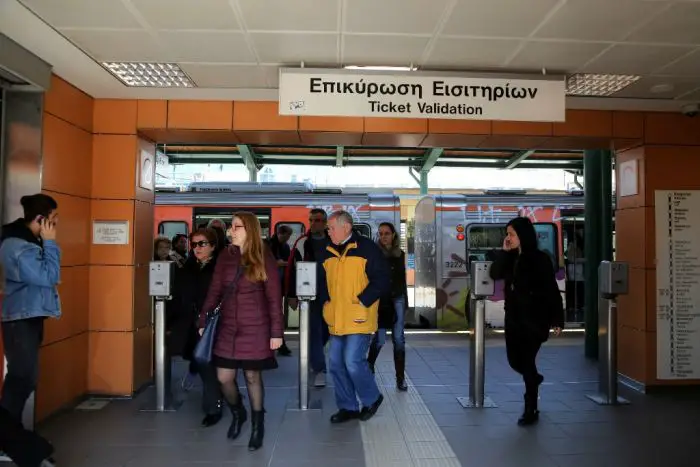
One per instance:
(257,431)
(284,351)
(373,354)
(530,415)
(400,366)
(238,418)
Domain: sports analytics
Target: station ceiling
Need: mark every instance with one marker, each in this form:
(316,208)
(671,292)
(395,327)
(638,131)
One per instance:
(341,156)
(232,49)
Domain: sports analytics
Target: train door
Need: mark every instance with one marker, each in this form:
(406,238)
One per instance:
(202,216)
(572,226)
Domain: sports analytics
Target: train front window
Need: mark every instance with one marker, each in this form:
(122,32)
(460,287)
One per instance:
(547,241)
(363,229)
(171,228)
(483,238)
(298,229)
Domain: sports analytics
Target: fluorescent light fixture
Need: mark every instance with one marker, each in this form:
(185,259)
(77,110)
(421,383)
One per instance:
(150,75)
(381,68)
(584,84)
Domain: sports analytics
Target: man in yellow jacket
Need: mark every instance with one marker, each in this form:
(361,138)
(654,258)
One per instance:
(354,275)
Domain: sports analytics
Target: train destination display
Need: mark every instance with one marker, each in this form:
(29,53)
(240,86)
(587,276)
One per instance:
(677,285)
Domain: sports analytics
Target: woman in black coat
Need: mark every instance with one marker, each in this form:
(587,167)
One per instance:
(193,282)
(533,305)
(392,306)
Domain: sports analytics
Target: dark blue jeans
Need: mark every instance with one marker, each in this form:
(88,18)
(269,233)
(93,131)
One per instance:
(318,338)
(21,340)
(350,371)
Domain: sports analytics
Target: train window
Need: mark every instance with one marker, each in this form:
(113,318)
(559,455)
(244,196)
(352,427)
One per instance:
(298,229)
(483,238)
(171,228)
(363,229)
(547,241)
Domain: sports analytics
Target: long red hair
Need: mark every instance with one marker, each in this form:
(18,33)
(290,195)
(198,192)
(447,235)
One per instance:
(252,252)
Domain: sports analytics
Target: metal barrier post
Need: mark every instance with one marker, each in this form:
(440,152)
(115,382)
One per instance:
(306,292)
(612,282)
(482,286)
(160,278)
(164,401)
(304,355)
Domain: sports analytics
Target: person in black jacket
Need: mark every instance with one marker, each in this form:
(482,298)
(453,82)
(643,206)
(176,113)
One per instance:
(279,246)
(193,282)
(392,306)
(533,305)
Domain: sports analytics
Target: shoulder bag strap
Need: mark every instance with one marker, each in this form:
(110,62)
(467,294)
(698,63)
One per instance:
(229,291)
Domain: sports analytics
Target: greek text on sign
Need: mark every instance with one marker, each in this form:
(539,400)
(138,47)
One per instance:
(341,93)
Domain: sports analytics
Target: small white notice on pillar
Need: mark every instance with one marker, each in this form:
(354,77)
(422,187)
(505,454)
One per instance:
(628,178)
(110,232)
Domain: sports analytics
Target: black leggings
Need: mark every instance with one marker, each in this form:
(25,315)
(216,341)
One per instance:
(254,383)
(522,350)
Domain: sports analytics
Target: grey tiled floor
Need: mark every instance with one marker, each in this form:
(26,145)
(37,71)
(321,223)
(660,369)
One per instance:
(424,427)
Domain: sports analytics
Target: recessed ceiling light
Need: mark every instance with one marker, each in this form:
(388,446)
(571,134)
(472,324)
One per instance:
(381,68)
(150,75)
(584,84)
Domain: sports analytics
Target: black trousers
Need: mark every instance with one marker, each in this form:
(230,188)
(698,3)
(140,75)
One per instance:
(211,389)
(21,340)
(522,348)
(25,448)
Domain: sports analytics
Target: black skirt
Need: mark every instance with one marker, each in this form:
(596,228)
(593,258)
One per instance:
(246,365)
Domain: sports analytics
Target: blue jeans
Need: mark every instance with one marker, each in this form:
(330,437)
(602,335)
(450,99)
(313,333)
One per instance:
(318,337)
(350,371)
(397,331)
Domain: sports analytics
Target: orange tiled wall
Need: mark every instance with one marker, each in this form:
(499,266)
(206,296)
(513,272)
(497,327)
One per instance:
(67,164)
(660,167)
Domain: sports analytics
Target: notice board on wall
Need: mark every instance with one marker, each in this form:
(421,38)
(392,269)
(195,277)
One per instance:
(677,284)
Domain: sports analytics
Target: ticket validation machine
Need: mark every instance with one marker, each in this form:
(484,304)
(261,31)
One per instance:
(306,289)
(613,280)
(481,287)
(161,277)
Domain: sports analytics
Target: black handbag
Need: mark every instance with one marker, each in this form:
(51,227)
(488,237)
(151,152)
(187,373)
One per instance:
(205,347)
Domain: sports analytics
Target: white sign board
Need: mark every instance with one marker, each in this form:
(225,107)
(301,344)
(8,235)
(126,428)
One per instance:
(341,93)
(628,178)
(677,285)
(110,232)
(147,170)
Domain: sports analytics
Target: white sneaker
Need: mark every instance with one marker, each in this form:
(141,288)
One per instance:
(320,380)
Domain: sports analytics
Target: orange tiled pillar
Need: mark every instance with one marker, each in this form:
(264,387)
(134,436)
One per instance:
(120,342)
(658,167)
(66,168)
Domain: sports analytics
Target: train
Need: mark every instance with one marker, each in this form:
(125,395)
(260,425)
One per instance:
(451,231)
(446,233)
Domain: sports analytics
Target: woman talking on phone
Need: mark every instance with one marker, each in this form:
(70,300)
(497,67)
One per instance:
(250,329)
(533,305)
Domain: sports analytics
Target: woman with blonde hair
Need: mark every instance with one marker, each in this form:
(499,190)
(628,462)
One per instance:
(250,328)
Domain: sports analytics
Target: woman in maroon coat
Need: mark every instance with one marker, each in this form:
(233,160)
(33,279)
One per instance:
(251,321)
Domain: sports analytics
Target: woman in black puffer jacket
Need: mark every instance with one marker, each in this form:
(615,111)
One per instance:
(392,307)
(193,284)
(533,305)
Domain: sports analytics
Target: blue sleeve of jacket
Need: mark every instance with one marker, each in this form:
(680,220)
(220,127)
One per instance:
(377,270)
(43,270)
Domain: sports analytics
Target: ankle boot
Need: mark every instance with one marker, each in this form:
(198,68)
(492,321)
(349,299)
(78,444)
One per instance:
(530,415)
(400,366)
(372,355)
(238,418)
(257,431)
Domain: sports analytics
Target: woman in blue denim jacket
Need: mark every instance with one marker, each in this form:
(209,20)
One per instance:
(31,261)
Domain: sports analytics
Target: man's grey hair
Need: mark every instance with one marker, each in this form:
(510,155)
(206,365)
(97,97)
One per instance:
(214,221)
(342,217)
